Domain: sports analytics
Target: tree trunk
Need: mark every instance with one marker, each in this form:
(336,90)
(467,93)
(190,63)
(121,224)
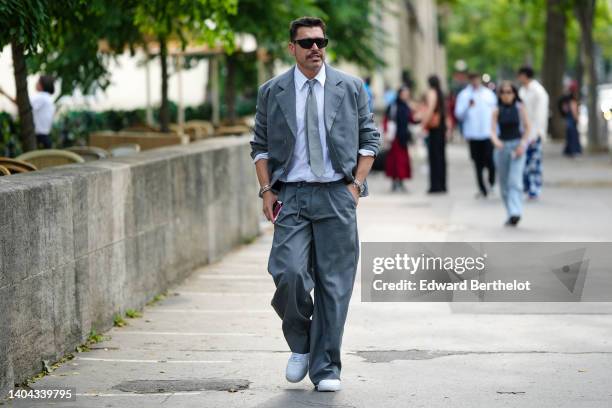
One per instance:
(579,67)
(209,79)
(164,113)
(553,65)
(585,11)
(230,88)
(26,119)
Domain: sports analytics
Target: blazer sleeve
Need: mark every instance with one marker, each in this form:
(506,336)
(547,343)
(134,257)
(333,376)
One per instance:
(259,140)
(369,136)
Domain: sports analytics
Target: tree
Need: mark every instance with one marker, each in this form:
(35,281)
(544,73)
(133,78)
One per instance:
(185,21)
(496,36)
(25,27)
(553,64)
(585,13)
(84,39)
(61,39)
(268,22)
(354,36)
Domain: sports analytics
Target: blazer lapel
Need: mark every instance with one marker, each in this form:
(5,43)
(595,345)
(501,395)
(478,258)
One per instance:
(286,100)
(334,94)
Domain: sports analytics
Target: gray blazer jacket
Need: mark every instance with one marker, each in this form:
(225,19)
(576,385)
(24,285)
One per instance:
(348,122)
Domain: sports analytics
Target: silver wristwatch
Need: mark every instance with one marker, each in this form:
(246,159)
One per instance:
(359,186)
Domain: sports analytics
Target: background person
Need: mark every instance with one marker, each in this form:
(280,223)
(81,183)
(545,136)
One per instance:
(43,110)
(509,130)
(535,99)
(397,117)
(434,122)
(474,108)
(367,82)
(568,105)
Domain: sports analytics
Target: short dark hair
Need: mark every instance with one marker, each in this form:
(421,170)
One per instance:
(527,71)
(46,83)
(305,22)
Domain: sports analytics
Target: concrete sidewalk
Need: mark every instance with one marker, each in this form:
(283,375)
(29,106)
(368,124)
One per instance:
(216,331)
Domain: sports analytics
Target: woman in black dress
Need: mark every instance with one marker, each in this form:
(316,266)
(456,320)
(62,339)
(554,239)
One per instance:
(434,122)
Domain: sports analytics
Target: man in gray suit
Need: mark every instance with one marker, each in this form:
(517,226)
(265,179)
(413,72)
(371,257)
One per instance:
(313,146)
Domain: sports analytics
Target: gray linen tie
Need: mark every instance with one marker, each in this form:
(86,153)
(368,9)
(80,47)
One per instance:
(315,150)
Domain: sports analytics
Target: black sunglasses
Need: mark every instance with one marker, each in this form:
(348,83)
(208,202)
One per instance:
(307,43)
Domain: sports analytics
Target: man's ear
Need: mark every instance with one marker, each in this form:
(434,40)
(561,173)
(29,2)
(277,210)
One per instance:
(291,48)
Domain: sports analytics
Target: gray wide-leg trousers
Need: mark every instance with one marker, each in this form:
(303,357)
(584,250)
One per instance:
(315,246)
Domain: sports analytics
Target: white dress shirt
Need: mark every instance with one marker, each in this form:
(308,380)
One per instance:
(535,99)
(299,169)
(475,119)
(43,110)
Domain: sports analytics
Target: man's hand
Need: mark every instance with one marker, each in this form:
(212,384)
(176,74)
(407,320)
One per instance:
(355,192)
(269,198)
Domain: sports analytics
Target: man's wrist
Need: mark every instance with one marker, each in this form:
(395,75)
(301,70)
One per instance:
(359,185)
(263,189)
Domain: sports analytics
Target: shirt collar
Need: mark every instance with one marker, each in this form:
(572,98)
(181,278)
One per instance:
(300,79)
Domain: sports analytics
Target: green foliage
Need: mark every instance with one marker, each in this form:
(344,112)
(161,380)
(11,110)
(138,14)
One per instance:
(269,22)
(73,127)
(25,22)
(133,314)
(10,146)
(118,321)
(87,34)
(72,51)
(602,30)
(496,36)
(157,298)
(93,338)
(351,26)
(355,35)
(187,20)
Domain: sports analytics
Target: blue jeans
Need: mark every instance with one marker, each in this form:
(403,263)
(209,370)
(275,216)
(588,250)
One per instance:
(510,173)
(532,179)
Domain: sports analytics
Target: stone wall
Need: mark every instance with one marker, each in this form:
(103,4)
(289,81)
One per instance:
(80,243)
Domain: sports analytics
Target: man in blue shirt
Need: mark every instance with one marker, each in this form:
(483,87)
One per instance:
(474,108)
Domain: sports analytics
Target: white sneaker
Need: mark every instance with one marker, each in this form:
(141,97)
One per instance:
(329,385)
(297,367)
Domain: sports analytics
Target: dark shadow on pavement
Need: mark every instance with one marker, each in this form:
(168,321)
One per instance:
(306,398)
